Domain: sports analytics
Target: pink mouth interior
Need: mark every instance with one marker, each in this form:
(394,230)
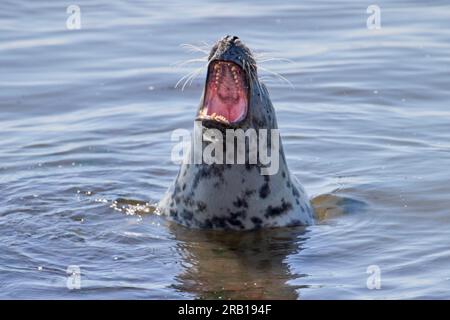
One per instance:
(226,92)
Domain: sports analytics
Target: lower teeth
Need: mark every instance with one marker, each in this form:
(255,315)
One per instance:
(221,118)
(214,116)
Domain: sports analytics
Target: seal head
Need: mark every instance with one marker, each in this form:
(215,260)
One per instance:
(233,96)
(241,195)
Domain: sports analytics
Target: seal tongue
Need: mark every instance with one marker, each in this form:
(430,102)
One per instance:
(226,92)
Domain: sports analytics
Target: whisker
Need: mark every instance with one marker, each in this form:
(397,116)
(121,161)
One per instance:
(206,45)
(261,55)
(182,78)
(192,77)
(266,78)
(276,59)
(252,75)
(279,76)
(186,77)
(193,48)
(182,63)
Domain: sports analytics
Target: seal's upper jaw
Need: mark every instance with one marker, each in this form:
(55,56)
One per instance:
(226,94)
(227,89)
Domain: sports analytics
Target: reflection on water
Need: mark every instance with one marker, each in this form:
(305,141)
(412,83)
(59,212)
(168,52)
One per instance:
(242,265)
(238,265)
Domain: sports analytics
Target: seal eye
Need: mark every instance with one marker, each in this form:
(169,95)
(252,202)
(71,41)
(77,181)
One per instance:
(226,98)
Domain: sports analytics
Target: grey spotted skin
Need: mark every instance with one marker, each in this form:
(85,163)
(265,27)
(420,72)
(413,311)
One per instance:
(237,196)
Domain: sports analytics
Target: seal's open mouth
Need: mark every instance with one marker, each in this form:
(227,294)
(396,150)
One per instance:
(226,97)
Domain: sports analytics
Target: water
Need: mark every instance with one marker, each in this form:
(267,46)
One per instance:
(86,117)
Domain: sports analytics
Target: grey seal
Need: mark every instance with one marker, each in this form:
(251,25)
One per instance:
(236,196)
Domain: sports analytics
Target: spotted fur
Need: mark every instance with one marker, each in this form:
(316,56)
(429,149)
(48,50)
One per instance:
(238,197)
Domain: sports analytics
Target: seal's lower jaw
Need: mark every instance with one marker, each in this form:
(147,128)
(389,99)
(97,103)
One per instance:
(226,94)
